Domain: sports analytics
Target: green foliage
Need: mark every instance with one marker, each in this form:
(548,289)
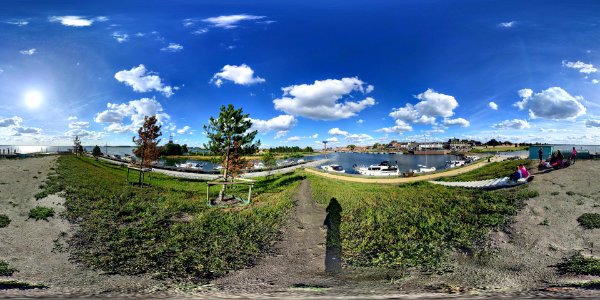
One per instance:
(293,149)
(414,225)
(581,265)
(5,269)
(41,213)
(269,160)
(172,149)
(589,220)
(14,284)
(184,148)
(96,151)
(165,230)
(490,171)
(492,143)
(4,220)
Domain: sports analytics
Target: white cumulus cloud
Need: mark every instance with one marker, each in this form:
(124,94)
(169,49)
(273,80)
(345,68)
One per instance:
(319,101)
(31,51)
(231,21)
(512,124)
(399,127)
(360,121)
(184,130)
(120,37)
(294,138)
(135,111)
(13,121)
(172,47)
(337,131)
(281,124)
(435,104)
(242,75)
(581,66)
(493,105)
(76,21)
(456,122)
(507,24)
(142,80)
(80,124)
(553,103)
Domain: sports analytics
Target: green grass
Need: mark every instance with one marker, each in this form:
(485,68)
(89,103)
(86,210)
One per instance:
(490,171)
(41,213)
(5,269)
(165,230)
(14,284)
(491,149)
(414,225)
(581,265)
(589,220)
(4,220)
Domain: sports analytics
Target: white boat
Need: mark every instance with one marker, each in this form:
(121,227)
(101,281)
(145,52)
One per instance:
(455,163)
(218,168)
(333,168)
(382,169)
(195,166)
(471,159)
(258,166)
(424,169)
(300,161)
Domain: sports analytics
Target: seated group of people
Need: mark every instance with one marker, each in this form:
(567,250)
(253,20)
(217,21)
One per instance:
(557,160)
(521,172)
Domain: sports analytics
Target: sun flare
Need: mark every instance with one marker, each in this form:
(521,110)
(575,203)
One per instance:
(33,99)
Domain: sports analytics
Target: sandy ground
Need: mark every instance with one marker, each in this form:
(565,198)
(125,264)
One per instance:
(520,261)
(36,248)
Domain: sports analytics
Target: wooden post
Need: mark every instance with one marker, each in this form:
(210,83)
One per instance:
(249,193)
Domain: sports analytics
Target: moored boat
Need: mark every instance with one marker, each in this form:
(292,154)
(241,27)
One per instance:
(455,163)
(424,169)
(195,166)
(382,169)
(333,168)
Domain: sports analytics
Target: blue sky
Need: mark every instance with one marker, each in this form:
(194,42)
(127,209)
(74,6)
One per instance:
(352,72)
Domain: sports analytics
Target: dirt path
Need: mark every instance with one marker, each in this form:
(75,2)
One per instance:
(452,172)
(36,248)
(298,259)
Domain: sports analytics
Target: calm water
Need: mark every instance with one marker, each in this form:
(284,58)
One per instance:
(405,161)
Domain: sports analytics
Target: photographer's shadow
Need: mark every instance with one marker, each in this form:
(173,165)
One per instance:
(333,250)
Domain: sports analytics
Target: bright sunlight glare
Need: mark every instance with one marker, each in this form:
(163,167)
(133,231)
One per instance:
(33,99)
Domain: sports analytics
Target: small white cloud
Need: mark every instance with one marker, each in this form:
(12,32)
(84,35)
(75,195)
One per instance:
(142,80)
(333,139)
(120,37)
(173,47)
(507,24)
(592,123)
(14,121)
(231,21)
(293,138)
(360,121)
(581,66)
(242,75)
(359,138)
(553,103)
(73,21)
(399,128)
(280,123)
(72,118)
(456,122)
(337,131)
(314,136)
(512,124)
(595,81)
(281,133)
(31,51)
(184,130)
(319,101)
(200,31)
(493,105)
(80,124)
(19,23)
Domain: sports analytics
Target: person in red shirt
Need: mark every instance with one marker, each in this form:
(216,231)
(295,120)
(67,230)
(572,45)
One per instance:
(524,172)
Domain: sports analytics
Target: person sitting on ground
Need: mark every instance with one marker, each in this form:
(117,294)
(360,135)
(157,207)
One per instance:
(524,172)
(559,160)
(516,175)
(573,155)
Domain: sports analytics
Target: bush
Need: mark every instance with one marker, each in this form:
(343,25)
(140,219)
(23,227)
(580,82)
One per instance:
(5,269)
(41,213)
(589,220)
(4,220)
(579,264)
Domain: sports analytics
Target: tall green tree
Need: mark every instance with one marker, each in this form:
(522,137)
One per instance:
(77,149)
(229,136)
(96,152)
(147,142)
(269,161)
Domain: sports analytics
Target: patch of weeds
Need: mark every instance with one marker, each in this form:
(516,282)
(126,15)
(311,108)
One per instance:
(308,287)
(42,186)
(4,220)
(546,208)
(41,213)
(13,284)
(579,202)
(592,284)
(13,204)
(545,223)
(5,269)
(40,195)
(39,172)
(35,177)
(571,193)
(554,193)
(552,248)
(589,220)
(581,265)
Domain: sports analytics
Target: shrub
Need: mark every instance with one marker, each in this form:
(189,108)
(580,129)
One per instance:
(41,213)
(579,264)
(4,220)
(589,220)
(5,269)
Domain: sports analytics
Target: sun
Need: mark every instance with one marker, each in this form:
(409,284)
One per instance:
(33,99)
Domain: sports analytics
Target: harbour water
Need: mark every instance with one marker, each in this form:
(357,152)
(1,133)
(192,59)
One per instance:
(405,162)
